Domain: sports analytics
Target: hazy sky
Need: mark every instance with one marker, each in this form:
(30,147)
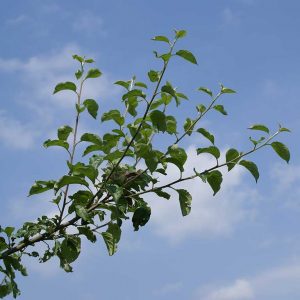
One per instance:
(242,244)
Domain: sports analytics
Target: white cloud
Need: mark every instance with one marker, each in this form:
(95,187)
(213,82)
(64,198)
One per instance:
(88,23)
(276,283)
(230,17)
(210,216)
(168,289)
(14,134)
(17,20)
(240,290)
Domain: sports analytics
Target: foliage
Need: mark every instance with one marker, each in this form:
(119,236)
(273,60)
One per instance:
(109,181)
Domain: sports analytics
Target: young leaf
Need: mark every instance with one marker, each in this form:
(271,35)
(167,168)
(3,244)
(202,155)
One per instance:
(92,138)
(66,180)
(185,200)
(65,86)
(161,38)
(162,194)
(92,107)
(180,34)
(231,156)
(88,233)
(188,126)
(260,127)
(206,90)
(59,143)
(206,134)
(178,153)
(82,212)
(78,58)
(214,178)
(64,132)
(78,74)
(187,55)
(70,248)
(113,115)
(251,167)
(93,73)
(213,150)
(124,84)
(281,150)
(171,125)
(109,242)
(220,108)
(41,187)
(201,108)
(225,90)
(153,75)
(158,119)
(141,217)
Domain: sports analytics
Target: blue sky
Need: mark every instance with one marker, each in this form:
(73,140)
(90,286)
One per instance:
(241,244)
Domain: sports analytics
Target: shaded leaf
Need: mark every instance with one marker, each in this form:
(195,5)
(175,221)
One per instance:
(206,90)
(158,119)
(220,108)
(213,150)
(141,217)
(259,127)
(161,38)
(64,132)
(231,156)
(59,143)
(187,55)
(93,73)
(65,86)
(206,134)
(92,107)
(251,167)
(281,150)
(185,200)
(214,179)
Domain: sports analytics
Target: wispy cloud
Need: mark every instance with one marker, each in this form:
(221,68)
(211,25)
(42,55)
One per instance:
(210,216)
(277,283)
(230,17)
(89,23)
(14,134)
(168,288)
(20,19)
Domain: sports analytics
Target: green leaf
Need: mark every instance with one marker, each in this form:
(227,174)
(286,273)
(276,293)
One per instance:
(260,127)
(82,213)
(141,217)
(171,125)
(65,86)
(161,38)
(162,194)
(41,186)
(178,153)
(251,167)
(158,119)
(64,132)
(214,179)
(89,61)
(93,73)
(92,107)
(59,143)
(185,200)
(5,290)
(78,74)
(231,156)
(78,58)
(187,55)
(113,115)
(206,134)
(134,93)
(282,129)
(281,150)
(153,75)
(225,90)
(66,180)
(109,242)
(189,126)
(9,230)
(92,138)
(169,90)
(115,231)
(88,233)
(70,248)
(201,108)
(124,84)
(213,150)
(220,108)
(180,34)
(206,90)
(141,84)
